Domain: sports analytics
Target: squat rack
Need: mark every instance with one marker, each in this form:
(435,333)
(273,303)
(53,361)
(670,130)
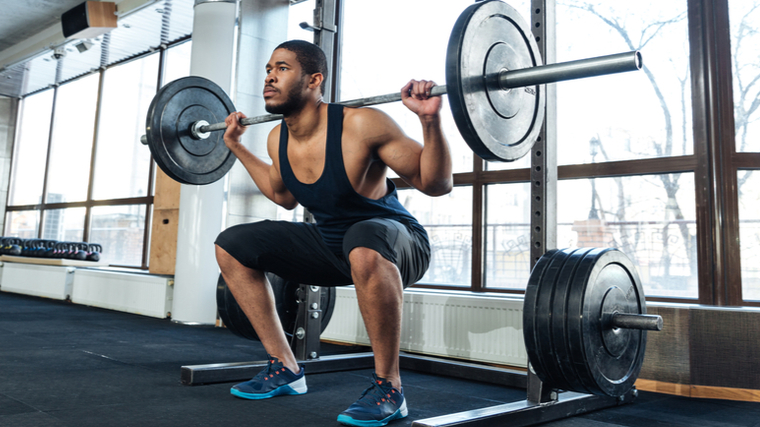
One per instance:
(543,403)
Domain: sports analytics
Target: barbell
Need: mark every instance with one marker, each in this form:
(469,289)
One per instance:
(287,296)
(494,75)
(584,319)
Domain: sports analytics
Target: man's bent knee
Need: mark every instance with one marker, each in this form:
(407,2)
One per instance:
(223,258)
(366,262)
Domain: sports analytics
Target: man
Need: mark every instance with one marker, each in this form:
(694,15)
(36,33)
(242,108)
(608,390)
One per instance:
(333,160)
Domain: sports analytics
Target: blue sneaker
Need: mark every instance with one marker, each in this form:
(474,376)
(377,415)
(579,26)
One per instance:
(274,380)
(378,405)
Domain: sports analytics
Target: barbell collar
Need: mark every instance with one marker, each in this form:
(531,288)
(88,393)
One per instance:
(644,322)
(197,132)
(563,71)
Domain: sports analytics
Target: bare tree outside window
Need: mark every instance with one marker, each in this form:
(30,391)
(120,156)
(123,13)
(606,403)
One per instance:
(646,115)
(744,19)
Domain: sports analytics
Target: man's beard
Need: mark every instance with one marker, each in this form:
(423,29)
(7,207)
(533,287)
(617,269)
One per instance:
(293,102)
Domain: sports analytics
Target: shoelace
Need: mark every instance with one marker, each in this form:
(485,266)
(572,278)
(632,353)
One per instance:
(268,373)
(375,394)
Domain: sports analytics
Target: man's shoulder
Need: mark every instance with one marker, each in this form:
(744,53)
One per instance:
(363,119)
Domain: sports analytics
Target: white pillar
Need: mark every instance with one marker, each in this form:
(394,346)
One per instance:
(200,207)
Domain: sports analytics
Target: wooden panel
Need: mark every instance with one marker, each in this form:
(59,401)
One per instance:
(101,14)
(167,192)
(663,387)
(698,391)
(163,242)
(52,261)
(725,393)
(667,355)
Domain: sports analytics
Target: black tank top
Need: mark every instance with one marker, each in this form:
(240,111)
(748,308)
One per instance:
(332,200)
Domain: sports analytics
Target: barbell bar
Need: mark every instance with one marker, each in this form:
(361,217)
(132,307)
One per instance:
(551,73)
(494,75)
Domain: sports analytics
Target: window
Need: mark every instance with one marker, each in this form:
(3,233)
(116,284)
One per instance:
(108,201)
(22,224)
(64,225)
(448,221)
(121,230)
(71,141)
(127,92)
(28,174)
(744,20)
(507,236)
(745,43)
(375,65)
(178,61)
(650,218)
(749,226)
(298,13)
(632,115)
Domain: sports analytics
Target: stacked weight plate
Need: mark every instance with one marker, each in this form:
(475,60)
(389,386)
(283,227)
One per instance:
(287,298)
(567,321)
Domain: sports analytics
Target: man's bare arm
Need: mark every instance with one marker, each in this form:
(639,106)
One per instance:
(266,177)
(428,167)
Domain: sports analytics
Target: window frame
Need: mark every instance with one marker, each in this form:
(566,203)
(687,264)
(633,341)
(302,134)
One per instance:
(714,163)
(90,203)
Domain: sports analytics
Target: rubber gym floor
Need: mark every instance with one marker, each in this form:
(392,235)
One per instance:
(63,364)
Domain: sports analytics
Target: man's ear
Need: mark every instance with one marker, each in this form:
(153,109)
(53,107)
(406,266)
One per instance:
(316,80)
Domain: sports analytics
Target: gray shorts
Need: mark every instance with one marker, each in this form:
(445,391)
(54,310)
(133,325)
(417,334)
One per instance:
(295,250)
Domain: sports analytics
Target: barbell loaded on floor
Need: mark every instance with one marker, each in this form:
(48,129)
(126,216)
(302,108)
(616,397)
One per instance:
(584,319)
(494,78)
(287,296)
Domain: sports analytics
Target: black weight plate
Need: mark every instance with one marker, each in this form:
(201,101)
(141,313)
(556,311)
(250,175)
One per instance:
(172,113)
(544,320)
(569,379)
(537,314)
(607,361)
(490,37)
(286,302)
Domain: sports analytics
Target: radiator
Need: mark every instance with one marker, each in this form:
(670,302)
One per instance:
(470,327)
(38,280)
(136,293)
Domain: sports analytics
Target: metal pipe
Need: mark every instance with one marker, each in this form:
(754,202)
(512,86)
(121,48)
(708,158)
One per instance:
(508,79)
(647,322)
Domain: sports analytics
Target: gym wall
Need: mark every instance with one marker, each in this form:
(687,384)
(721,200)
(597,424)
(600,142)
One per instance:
(704,351)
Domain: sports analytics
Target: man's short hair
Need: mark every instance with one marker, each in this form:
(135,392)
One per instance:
(310,56)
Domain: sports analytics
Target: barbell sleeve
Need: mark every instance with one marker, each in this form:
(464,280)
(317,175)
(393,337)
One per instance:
(646,322)
(563,71)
